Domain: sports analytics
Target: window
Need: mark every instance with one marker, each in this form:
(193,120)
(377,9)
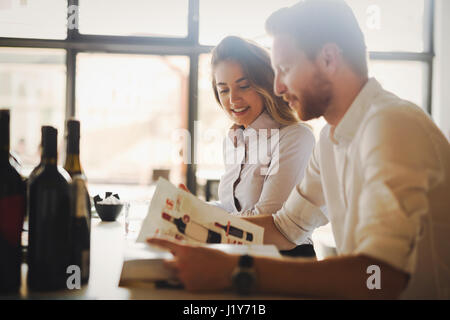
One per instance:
(236,17)
(134,18)
(44,19)
(213,125)
(397,35)
(405,78)
(33,87)
(129,107)
(391,25)
(139,96)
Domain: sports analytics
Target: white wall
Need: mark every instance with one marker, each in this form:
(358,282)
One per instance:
(441,77)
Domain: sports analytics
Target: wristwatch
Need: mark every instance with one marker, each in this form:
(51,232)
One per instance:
(244,275)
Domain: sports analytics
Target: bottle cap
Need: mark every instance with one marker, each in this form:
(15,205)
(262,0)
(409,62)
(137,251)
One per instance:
(49,141)
(4,128)
(73,127)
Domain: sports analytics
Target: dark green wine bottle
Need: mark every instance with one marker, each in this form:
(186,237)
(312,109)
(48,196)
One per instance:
(50,221)
(81,206)
(12,212)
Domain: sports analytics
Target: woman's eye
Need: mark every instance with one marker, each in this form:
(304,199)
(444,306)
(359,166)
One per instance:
(223,91)
(245,87)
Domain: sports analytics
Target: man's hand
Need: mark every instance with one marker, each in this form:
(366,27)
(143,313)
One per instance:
(199,268)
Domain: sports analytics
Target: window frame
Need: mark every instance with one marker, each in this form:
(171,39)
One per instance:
(189,46)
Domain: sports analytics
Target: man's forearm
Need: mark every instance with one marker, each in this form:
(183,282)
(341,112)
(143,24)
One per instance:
(340,277)
(271,233)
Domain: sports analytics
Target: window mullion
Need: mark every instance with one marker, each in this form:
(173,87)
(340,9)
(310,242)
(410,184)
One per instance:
(193,22)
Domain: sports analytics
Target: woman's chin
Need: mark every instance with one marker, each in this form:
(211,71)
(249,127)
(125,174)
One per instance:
(241,123)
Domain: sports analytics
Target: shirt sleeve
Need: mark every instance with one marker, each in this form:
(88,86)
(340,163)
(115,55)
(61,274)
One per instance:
(286,169)
(302,213)
(399,166)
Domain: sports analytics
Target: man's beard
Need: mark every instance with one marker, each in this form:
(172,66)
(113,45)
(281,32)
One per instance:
(314,102)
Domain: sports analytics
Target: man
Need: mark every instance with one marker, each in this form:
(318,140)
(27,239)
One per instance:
(381,169)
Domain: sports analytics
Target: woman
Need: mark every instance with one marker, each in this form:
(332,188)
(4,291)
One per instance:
(267,148)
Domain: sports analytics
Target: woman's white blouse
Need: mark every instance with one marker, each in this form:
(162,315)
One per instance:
(263,163)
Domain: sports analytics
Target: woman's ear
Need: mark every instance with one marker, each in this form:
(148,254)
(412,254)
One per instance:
(329,58)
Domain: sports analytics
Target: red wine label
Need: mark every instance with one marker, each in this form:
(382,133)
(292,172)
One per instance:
(12,212)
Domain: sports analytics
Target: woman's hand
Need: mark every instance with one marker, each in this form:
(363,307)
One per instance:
(199,268)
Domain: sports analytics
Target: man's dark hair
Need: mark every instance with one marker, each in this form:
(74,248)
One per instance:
(314,23)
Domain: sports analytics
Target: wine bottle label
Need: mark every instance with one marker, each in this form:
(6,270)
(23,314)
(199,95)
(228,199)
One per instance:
(80,198)
(12,212)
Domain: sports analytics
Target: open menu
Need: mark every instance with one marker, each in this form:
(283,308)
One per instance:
(177,214)
(144,264)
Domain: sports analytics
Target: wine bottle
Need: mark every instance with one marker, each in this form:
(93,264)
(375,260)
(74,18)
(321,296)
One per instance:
(236,232)
(12,212)
(194,230)
(81,227)
(30,178)
(81,206)
(72,163)
(49,243)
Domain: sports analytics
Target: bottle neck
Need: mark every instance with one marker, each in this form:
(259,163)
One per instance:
(49,149)
(49,160)
(73,144)
(4,154)
(72,163)
(4,141)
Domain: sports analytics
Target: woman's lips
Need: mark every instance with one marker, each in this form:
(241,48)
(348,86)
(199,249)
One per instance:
(240,111)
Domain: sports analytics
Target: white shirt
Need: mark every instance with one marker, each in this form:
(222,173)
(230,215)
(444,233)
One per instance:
(385,179)
(261,180)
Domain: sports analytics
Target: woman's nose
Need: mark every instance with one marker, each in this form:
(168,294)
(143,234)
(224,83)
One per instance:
(235,96)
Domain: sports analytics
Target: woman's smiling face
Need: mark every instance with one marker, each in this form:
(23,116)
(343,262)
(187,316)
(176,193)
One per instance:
(238,98)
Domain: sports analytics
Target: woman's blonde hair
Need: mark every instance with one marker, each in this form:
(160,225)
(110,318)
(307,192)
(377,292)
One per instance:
(255,63)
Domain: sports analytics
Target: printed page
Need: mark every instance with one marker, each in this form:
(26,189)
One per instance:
(145,263)
(177,214)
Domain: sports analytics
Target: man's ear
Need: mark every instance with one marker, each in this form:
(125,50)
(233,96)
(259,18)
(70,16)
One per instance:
(329,58)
